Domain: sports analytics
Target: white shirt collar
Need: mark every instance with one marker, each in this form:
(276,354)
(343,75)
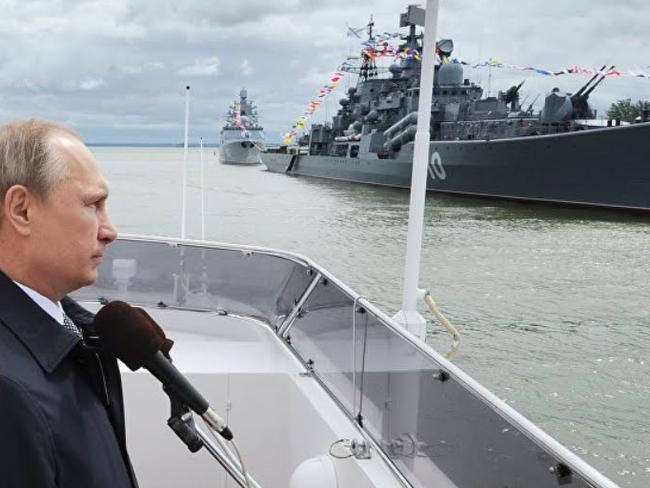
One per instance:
(54,310)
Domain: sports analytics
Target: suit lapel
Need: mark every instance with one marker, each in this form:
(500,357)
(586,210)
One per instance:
(109,370)
(47,341)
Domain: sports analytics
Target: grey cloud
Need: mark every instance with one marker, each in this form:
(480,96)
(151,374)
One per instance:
(202,67)
(171,14)
(141,54)
(91,84)
(246,68)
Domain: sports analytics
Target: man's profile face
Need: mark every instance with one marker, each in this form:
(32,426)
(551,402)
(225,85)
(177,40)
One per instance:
(71,225)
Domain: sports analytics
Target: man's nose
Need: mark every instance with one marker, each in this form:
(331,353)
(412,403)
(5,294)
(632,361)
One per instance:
(107,231)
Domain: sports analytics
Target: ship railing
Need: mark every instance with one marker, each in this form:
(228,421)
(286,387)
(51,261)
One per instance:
(429,421)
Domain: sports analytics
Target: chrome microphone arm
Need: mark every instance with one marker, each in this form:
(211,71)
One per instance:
(182,423)
(217,448)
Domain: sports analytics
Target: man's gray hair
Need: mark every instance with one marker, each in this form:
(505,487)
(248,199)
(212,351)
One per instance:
(27,157)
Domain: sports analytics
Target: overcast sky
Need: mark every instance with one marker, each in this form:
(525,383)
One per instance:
(116,71)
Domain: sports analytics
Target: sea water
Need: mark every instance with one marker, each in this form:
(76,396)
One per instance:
(553,304)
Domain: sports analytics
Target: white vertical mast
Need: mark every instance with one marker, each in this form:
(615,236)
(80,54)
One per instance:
(202,196)
(408,316)
(187,129)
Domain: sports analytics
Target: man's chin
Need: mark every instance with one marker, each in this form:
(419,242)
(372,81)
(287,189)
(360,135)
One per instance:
(89,278)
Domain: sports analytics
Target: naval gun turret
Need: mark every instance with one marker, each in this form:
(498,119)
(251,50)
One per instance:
(511,96)
(581,108)
(557,107)
(563,107)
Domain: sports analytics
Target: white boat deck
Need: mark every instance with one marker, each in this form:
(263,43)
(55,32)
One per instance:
(209,343)
(280,416)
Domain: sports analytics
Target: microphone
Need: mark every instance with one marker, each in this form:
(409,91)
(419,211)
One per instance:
(130,334)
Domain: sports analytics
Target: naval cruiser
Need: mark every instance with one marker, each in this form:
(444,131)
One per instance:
(481,146)
(242,138)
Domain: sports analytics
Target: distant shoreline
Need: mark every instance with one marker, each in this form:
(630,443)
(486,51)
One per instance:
(154,144)
(143,144)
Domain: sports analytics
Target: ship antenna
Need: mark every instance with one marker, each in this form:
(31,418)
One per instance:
(368,66)
(489,83)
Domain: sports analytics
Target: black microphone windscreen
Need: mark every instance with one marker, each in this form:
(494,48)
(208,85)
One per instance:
(128,334)
(167,345)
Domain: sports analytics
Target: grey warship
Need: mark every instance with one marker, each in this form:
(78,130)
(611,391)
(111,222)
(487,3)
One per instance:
(242,138)
(480,146)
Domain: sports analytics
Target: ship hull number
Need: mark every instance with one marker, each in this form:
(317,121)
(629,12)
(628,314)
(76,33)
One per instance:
(435,167)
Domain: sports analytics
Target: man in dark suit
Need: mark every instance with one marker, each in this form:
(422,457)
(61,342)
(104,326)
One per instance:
(61,412)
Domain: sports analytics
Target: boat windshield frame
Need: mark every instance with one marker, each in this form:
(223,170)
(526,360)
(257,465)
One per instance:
(411,402)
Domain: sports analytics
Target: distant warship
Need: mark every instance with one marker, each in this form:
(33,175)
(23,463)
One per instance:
(242,138)
(479,146)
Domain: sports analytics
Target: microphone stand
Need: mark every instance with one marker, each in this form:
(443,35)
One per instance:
(181,421)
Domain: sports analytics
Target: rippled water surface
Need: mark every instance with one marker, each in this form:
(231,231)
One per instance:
(553,304)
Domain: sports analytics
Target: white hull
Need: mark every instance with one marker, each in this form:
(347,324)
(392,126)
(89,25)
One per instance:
(240,151)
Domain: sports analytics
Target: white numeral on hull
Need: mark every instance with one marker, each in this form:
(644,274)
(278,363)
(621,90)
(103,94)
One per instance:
(435,167)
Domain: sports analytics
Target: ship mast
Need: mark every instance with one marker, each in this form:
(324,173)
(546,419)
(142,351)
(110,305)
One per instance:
(368,67)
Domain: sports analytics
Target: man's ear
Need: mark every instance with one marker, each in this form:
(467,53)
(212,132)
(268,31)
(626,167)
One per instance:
(17,209)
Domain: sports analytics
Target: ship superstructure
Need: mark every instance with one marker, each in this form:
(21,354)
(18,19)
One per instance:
(487,146)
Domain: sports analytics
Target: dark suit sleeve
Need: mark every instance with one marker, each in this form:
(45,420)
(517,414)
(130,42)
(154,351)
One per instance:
(26,446)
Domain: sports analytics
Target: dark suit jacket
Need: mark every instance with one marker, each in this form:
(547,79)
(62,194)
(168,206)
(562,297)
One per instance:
(61,410)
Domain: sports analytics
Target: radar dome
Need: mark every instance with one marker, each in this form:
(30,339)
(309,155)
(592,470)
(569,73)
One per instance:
(395,70)
(445,47)
(450,74)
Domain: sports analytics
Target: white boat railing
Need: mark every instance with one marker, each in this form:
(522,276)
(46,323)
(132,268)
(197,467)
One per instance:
(422,414)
